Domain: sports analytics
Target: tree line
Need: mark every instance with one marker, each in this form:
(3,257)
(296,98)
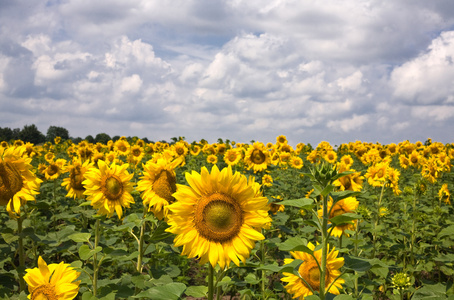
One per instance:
(31,134)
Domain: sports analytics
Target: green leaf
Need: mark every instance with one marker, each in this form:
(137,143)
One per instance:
(356,264)
(165,292)
(448,231)
(159,233)
(251,279)
(295,244)
(80,237)
(9,237)
(343,297)
(197,291)
(432,292)
(302,202)
(344,194)
(328,189)
(85,252)
(344,218)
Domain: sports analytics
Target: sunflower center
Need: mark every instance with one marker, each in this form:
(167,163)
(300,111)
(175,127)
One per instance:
(52,170)
(164,185)
(10,182)
(257,157)
(218,217)
(312,276)
(337,211)
(136,152)
(76,179)
(112,188)
(180,151)
(44,292)
(231,156)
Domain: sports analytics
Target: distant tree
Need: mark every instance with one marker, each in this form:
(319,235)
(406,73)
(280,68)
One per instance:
(77,140)
(116,138)
(30,133)
(55,131)
(6,134)
(146,141)
(90,139)
(16,134)
(102,138)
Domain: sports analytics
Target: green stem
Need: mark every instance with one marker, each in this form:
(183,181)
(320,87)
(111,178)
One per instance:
(377,218)
(325,237)
(262,252)
(210,282)
(141,241)
(21,255)
(95,259)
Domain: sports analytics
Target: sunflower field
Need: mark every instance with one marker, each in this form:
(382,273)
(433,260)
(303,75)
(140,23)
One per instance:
(134,220)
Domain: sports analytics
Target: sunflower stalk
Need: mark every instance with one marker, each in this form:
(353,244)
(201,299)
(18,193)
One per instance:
(21,255)
(377,219)
(95,259)
(325,237)
(141,241)
(210,282)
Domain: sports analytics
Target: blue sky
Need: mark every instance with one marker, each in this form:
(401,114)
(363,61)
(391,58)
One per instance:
(336,71)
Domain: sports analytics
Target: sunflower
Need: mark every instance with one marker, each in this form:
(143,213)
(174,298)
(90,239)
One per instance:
(296,162)
(157,185)
(212,159)
(257,157)
(267,180)
(195,150)
(109,188)
(232,157)
(343,206)
(73,183)
(122,147)
(310,272)
(54,281)
(281,139)
(54,169)
(136,154)
(218,217)
(444,194)
(18,183)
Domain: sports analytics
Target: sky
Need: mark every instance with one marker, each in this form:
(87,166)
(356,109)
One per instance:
(312,70)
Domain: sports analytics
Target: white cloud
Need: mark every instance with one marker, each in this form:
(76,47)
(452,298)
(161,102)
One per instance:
(429,78)
(351,124)
(132,84)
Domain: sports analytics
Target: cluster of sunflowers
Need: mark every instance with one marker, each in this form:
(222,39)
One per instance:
(220,213)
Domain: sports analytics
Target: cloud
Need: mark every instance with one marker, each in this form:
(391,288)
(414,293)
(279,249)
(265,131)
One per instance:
(429,78)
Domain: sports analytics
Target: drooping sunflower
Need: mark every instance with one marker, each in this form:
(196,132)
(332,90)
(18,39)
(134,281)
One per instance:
(218,217)
(53,281)
(109,188)
(343,206)
(18,184)
(257,157)
(73,183)
(157,185)
(310,272)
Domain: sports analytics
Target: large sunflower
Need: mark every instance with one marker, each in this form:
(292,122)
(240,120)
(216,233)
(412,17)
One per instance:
(18,184)
(157,185)
(54,281)
(310,272)
(218,217)
(109,188)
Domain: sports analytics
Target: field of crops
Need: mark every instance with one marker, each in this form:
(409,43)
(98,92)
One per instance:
(194,220)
